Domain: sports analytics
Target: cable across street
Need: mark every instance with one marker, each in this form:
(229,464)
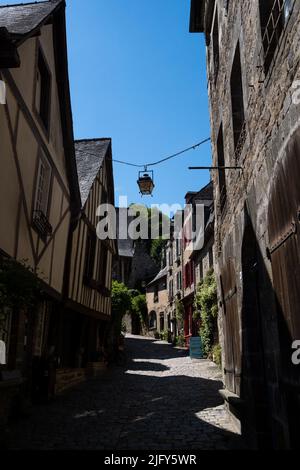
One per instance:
(147,165)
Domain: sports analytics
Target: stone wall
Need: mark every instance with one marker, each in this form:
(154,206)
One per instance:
(143,268)
(159,306)
(271,115)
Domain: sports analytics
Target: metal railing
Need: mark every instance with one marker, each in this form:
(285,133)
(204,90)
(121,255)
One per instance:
(241,142)
(42,224)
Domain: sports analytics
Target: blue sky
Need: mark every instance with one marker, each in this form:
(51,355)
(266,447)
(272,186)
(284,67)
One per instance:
(138,76)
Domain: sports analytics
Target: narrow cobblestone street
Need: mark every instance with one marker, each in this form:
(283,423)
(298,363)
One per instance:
(160,400)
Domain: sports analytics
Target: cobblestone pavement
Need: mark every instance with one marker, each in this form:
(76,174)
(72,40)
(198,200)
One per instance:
(161,400)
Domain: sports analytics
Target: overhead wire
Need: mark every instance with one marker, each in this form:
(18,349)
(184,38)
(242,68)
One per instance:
(147,165)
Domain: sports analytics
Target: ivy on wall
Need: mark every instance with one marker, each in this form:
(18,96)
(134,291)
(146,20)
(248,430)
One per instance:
(139,307)
(206,309)
(179,310)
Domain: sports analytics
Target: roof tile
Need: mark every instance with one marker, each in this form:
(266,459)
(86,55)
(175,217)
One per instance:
(90,155)
(21,19)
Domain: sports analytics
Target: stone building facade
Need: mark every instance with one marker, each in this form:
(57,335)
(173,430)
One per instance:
(191,254)
(157,301)
(185,266)
(253,56)
(204,259)
(39,191)
(174,283)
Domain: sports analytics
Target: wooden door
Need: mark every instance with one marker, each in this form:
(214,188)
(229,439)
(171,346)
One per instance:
(231,328)
(284,252)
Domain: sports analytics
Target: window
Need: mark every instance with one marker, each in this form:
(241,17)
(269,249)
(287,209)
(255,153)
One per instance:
(43,90)
(222,174)
(201,270)
(179,281)
(171,290)
(41,204)
(178,247)
(162,322)
(89,256)
(104,197)
(237,98)
(152,320)
(274,15)
(163,259)
(192,272)
(156,298)
(215,42)
(170,257)
(43,185)
(187,281)
(5,332)
(211,258)
(103,265)
(189,274)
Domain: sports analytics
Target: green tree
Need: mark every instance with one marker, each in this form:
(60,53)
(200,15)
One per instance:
(121,304)
(139,307)
(120,298)
(157,247)
(154,218)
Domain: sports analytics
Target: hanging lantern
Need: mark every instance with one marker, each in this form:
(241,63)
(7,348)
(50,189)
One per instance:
(145,182)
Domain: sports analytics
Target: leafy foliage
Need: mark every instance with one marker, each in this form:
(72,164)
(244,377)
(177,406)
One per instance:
(217,355)
(206,308)
(19,286)
(121,304)
(125,301)
(180,340)
(157,247)
(179,309)
(139,307)
(121,299)
(155,221)
(164,335)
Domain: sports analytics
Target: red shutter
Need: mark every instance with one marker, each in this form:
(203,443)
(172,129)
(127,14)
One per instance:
(192,272)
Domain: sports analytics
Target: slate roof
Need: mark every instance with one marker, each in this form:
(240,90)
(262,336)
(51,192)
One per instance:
(126,246)
(163,273)
(21,19)
(206,193)
(90,155)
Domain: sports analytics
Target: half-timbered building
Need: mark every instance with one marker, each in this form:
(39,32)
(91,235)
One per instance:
(39,192)
(88,305)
